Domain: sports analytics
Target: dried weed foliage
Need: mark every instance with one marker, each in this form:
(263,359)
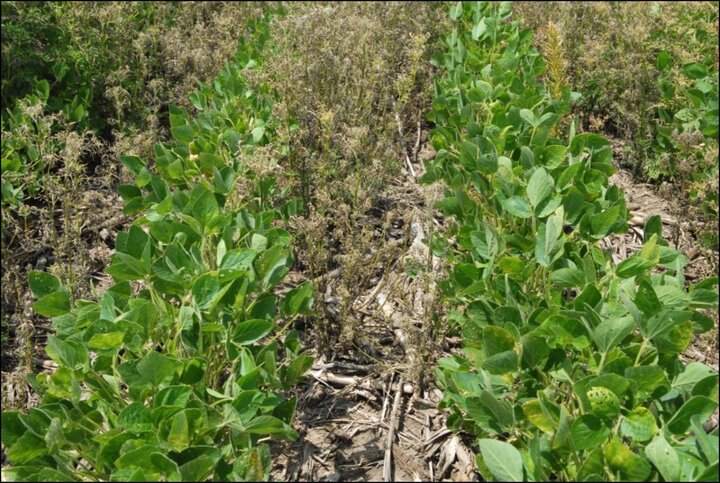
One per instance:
(45,234)
(345,73)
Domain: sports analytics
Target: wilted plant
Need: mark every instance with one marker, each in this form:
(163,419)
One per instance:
(345,72)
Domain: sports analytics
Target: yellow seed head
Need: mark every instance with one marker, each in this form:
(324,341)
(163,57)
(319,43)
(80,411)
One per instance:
(553,52)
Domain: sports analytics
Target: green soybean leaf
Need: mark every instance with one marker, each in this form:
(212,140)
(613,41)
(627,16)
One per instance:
(238,259)
(587,140)
(479,154)
(271,265)
(554,155)
(548,206)
(177,395)
(616,383)
(43,283)
(588,432)
(456,11)
(50,474)
(539,187)
(501,363)
(166,466)
(42,87)
(205,289)
(533,411)
(469,154)
(707,387)
(488,160)
(548,119)
(264,307)
(517,206)
(601,224)
(502,459)
(673,297)
(297,368)
(547,243)
(512,265)
(299,300)
(13,427)
(68,353)
(710,474)
(134,164)
(663,60)
(527,157)
(563,436)
(534,350)
(708,445)
(26,448)
(54,304)
(635,265)
(135,417)
(258,242)
(183,134)
(198,100)
(610,332)
(647,378)
(106,341)
(653,226)
(703,298)
(641,262)
(528,116)
(479,29)
(701,406)
(568,278)
(156,368)
(646,300)
(544,246)
(663,322)
(695,70)
(270,425)
(193,371)
(257,134)
(664,457)
(198,469)
(631,466)
(639,424)
(501,411)
(497,339)
(129,192)
(205,205)
(693,373)
(251,331)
